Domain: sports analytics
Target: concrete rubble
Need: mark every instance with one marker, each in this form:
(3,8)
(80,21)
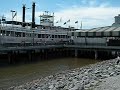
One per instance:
(91,77)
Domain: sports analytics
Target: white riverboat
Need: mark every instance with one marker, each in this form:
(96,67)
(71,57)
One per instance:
(22,33)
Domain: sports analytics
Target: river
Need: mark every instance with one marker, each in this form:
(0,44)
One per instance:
(13,75)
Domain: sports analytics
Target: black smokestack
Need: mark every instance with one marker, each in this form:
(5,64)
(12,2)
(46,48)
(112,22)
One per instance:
(23,18)
(33,15)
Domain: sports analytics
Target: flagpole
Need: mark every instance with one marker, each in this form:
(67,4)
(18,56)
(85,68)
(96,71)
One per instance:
(61,21)
(77,25)
(69,23)
(81,25)
(57,23)
(76,22)
(16,17)
(12,16)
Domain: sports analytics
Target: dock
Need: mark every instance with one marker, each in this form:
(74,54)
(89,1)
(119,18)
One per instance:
(52,51)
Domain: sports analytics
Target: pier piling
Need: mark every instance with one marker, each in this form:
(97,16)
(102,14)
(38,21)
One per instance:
(96,54)
(76,52)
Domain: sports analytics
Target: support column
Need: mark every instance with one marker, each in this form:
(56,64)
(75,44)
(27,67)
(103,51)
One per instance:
(43,53)
(76,52)
(9,57)
(46,51)
(29,56)
(96,55)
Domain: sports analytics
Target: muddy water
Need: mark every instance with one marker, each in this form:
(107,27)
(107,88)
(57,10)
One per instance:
(20,74)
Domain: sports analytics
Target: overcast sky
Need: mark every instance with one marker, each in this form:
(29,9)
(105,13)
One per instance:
(92,13)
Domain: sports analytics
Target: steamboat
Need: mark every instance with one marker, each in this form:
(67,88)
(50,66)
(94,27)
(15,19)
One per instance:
(15,33)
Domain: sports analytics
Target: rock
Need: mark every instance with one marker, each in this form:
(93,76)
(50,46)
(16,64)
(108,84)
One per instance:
(51,87)
(117,66)
(60,85)
(112,74)
(76,79)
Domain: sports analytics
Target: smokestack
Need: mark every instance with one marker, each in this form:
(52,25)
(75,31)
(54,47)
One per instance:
(23,18)
(33,15)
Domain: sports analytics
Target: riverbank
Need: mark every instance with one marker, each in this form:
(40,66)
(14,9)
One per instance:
(89,77)
(17,74)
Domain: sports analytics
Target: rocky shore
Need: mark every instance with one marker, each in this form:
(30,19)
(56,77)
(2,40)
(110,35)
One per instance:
(91,77)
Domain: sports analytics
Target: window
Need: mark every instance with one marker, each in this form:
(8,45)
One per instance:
(58,36)
(8,33)
(52,36)
(3,32)
(63,36)
(55,36)
(18,34)
(23,34)
(12,33)
(39,35)
(43,35)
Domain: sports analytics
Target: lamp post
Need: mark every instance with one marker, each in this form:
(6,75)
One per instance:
(12,13)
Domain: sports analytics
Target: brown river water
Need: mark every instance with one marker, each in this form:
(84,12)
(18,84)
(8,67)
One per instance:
(13,75)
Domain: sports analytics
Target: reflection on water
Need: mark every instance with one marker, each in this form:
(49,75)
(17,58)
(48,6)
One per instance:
(19,74)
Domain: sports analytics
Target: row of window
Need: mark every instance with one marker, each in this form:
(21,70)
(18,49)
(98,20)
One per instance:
(23,34)
(54,28)
(96,34)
